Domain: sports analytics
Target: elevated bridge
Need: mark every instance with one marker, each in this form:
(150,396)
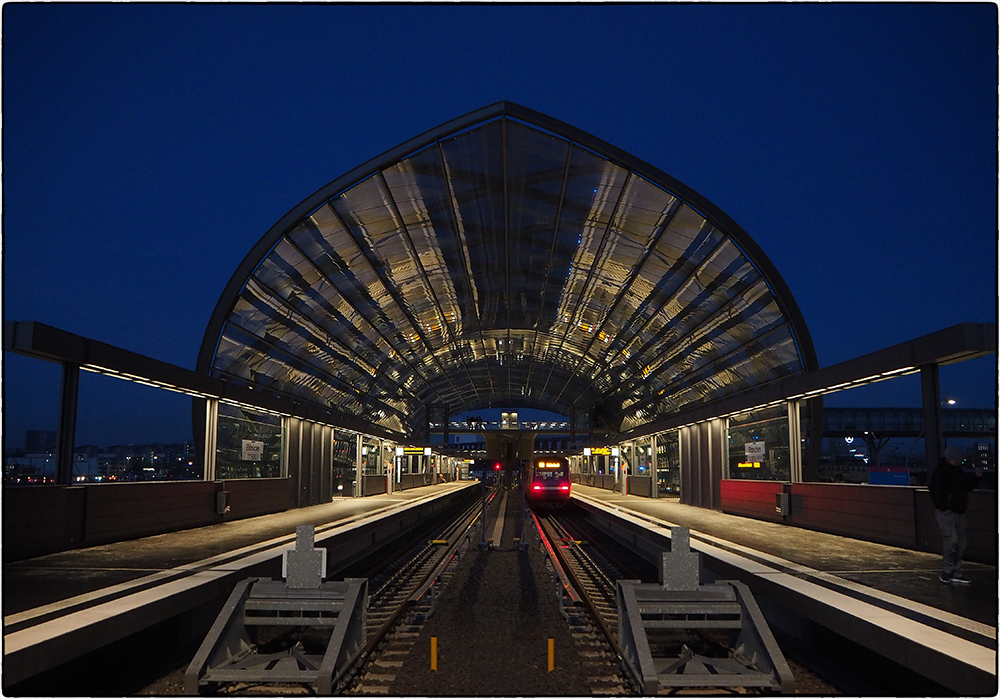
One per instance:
(907,422)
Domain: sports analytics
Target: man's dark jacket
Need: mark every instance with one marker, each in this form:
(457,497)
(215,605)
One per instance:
(950,487)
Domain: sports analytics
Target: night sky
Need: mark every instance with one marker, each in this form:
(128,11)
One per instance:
(147,147)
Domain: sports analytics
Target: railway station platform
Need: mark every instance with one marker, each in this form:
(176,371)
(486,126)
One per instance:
(908,574)
(60,606)
(63,605)
(875,594)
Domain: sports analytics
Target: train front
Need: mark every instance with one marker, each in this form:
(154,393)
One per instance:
(547,481)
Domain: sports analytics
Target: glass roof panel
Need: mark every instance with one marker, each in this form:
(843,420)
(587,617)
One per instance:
(536,168)
(368,213)
(501,261)
(474,162)
(420,190)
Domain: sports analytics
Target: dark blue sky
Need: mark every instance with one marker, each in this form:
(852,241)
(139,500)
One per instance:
(147,147)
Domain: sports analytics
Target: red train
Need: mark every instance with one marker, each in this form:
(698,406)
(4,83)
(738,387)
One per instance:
(546,481)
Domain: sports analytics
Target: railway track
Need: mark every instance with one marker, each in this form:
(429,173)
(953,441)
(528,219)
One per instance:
(588,583)
(591,565)
(404,582)
(592,569)
(580,563)
(403,597)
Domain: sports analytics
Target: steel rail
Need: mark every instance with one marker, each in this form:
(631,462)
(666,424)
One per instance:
(453,547)
(578,584)
(560,570)
(407,574)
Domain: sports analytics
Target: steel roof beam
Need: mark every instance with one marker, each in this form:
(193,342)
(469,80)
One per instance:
(466,262)
(429,290)
(40,341)
(948,346)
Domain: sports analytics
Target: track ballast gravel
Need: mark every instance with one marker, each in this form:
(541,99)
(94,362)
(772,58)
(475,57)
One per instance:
(492,625)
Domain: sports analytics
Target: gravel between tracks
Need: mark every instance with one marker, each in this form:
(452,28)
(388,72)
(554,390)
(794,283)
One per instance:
(492,624)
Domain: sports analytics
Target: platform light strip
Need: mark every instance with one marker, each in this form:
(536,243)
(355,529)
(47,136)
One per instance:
(93,368)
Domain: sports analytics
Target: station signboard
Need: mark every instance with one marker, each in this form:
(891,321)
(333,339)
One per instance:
(754,451)
(252,450)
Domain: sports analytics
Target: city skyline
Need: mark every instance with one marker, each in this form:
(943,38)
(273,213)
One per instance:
(855,144)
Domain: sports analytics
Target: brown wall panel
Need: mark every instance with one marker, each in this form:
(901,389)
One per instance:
(862,501)
(883,514)
(42,520)
(120,511)
(750,498)
(641,486)
(374,485)
(254,497)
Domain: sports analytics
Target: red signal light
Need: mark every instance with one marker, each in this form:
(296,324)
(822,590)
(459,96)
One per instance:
(496,466)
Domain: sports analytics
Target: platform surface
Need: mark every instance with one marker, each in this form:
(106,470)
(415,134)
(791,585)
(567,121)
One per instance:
(912,575)
(44,580)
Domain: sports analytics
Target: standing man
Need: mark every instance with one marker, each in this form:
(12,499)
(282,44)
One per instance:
(949,488)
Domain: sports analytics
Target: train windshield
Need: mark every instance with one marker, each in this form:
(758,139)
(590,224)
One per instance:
(550,469)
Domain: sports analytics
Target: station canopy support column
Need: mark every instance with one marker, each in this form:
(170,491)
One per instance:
(67,423)
(930,389)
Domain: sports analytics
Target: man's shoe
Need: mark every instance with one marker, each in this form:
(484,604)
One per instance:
(960,580)
(944,578)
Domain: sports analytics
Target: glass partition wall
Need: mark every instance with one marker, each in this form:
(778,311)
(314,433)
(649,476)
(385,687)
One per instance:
(668,464)
(758,445)
(248,444)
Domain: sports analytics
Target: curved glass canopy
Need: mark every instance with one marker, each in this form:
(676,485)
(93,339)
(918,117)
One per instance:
(506,259)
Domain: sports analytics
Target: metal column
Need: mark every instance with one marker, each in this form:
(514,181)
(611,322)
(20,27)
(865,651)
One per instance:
(930,388)
(67,423)
(795,441)
(212,438)
(358,467)
(654,466)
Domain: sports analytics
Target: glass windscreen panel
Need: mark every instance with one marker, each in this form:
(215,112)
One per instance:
(536,168)
(474,163)
(248,444)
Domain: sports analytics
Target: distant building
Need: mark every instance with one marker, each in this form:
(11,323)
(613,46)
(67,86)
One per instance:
(92,464)
(39,442)
(984,455)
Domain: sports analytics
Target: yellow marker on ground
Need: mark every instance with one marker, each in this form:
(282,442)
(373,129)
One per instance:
(552,654)
(434,653)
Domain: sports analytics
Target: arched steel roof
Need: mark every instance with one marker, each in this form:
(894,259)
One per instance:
(506,259)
